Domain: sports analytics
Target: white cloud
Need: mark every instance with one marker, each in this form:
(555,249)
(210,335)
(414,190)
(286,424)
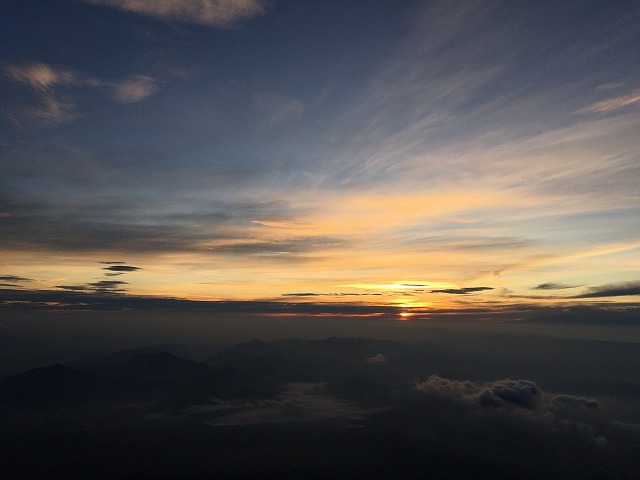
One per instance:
(50,106)
(222,13)
(39,75)
(135,89)
(378,358)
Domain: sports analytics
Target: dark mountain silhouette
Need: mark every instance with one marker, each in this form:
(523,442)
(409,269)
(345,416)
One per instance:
(148,413)
(188,352)
(154,368)
(178,382)
(55,386)
(300,360)
(262,360)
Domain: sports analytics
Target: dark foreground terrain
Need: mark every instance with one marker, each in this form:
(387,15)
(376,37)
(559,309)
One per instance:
(341,408)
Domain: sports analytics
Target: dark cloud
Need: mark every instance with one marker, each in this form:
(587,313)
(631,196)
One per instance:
(554,286)
(99,296)
(108,283)
(612,290)
(573,401)
(121,268)
(111,263)
(118,227)
(106,227)
(73,288)
(14,278)
(108,286)
(500,393)
(462,291)
(330,294)
(593,314)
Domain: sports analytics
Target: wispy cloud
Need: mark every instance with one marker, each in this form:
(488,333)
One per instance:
(219,13)
(135,89)
(277,108)
(614,103)
(51,109)
(53,106)
(279,223)
(39,75)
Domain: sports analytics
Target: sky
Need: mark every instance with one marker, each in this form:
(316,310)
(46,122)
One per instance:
(343,156)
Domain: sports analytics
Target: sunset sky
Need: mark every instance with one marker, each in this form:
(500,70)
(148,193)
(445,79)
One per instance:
(415,154)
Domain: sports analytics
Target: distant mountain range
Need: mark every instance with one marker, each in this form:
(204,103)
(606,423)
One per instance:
(338,407)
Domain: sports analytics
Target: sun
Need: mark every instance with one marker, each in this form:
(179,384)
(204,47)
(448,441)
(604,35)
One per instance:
(404,315)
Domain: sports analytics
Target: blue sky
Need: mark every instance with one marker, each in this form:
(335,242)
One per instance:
(417,154)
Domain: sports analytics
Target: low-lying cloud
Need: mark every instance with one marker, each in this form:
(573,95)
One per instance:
(501,393)
(377,358)
(298,402)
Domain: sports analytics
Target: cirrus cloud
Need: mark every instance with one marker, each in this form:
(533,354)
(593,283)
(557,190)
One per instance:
(219,13)
(39,75)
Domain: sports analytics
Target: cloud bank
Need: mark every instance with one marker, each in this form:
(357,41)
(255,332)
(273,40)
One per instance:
(613,290)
